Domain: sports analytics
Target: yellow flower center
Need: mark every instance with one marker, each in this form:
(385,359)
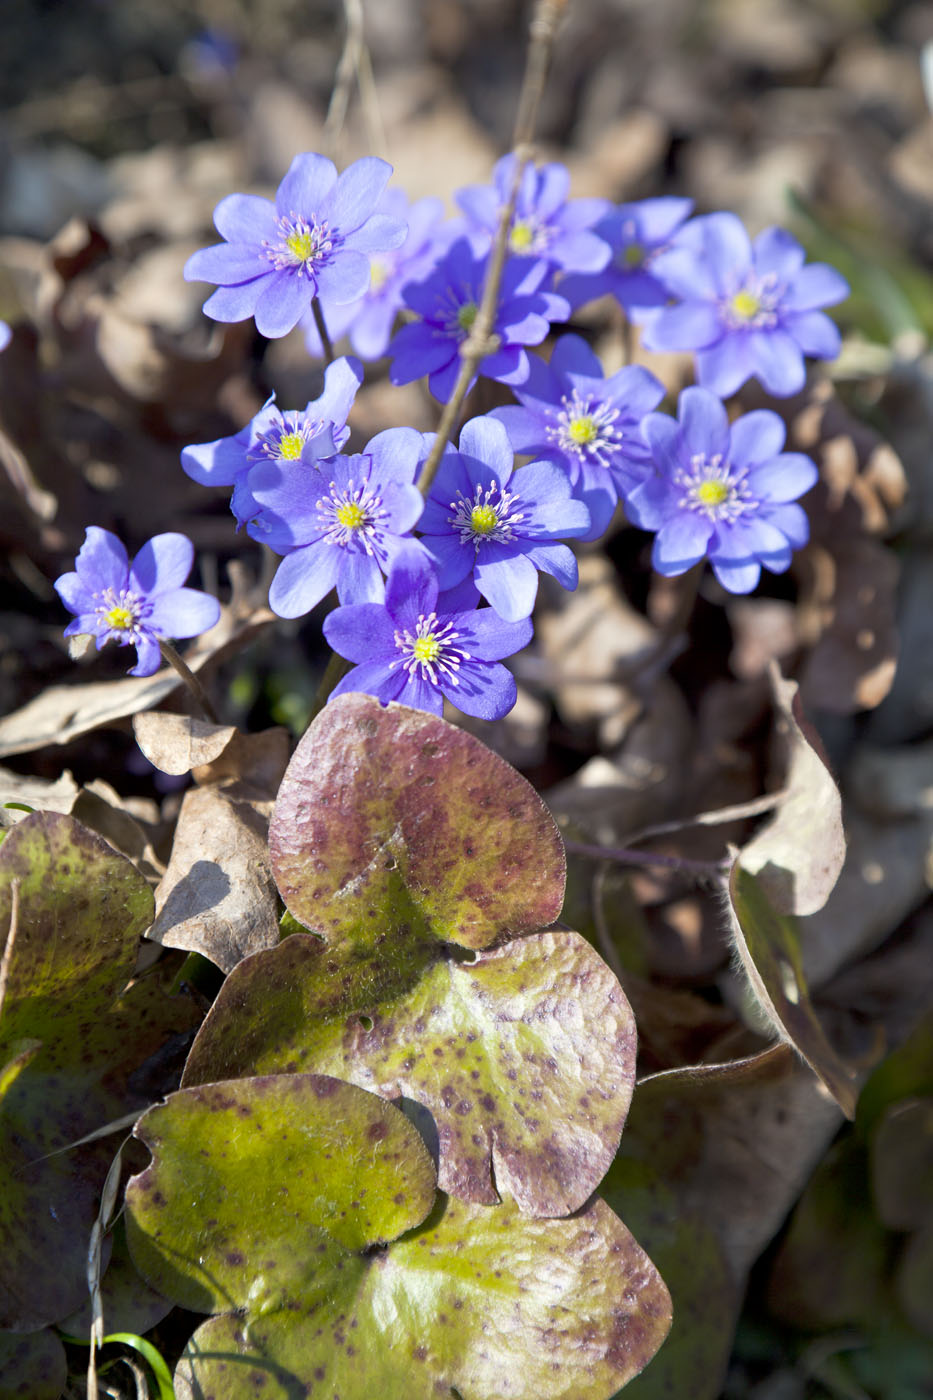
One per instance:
(379,271)
(522,236)
(582,430)
(712,493)
(466,315)
(119,617)
(483,520)
(301,246)
(633,255)
(290,445)
(350,515)
(745,305)
(426,648)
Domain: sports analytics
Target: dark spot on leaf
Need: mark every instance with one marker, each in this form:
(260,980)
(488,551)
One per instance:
(325,1087)
(420,1353)
(488,1103)
(399,1198)
(235,1259)
(377,1131)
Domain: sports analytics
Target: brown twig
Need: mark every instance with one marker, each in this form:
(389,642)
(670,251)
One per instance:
(481,341)
(190,679)
(354,62)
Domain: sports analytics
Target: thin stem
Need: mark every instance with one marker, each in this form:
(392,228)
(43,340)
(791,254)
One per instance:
(337,668)
(190,679)
(623,856)
(481,341)
(354,61)
(322,331)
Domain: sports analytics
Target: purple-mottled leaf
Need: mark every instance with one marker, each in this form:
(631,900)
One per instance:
(524,1057)
(389,807)
(304,1175)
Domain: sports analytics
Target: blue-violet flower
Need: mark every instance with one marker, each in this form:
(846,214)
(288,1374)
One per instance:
(340,525)
(746,308)
(722,493)
(369,321)
(545,225)
(636,234)
(447,301)
(135,604)
(570,414)
(480,518)
(415,649)
(314,241)
(303,436)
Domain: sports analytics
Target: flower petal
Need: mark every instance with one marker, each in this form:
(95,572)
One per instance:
(815,333)
(784,477)
(486,440)
(756,437)
(183,612)
(282,304)
(245,218)
(815,286)
(509,584)
(691,326)
(778,362)
(226,264)
(704,423)
(356,193)
(361,632)
(163,563)
(486,692)
(303,578)
(680,543)
(309,180)
(102,561)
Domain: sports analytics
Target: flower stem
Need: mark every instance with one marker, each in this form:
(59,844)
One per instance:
(326,341)
(190,679)
(623,856)
(337,668)
(481,342)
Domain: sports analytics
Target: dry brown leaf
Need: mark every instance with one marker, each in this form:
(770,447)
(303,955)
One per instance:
(736,1142)
(798,855)
(177,743)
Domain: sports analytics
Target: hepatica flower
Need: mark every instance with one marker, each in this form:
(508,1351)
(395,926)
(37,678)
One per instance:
(546,224)
(746,308)
(636,233)
(416,649)
(135,604)
(446,303)
(341,525)
(723,493)
(300,436)
(502,527)
(314,241)
(571,415)
(369,321)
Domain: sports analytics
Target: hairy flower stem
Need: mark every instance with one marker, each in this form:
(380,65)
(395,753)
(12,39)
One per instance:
(481,341)
(622,856)
(190,679)
(326,342)
(337,668)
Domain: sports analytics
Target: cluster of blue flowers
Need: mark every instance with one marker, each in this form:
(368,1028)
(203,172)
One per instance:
(411,568)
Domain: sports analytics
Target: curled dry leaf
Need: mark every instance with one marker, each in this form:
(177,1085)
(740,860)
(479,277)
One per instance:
(735,1142)
(217,896)
(799,853)
(768,945)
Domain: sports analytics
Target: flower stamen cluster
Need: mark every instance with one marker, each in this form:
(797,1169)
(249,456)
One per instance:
(711,486)
(430,650)
(585,428)
(302,243)
(353,515)
(491,514)
(754,305)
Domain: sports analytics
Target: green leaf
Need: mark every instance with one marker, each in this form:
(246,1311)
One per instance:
(74,1051)
(388,816)
(32,1366)
(768,944)
(278,1202)
(525,1056)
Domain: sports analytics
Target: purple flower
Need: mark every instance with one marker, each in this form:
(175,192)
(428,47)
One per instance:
(546,224)
(416,649)
(6,335)
(369,320)
(340,525)
(636,234)
(747,308)
(570,414)
(447,302)
(479,518)
(722,493)
(300,436)
(314,241)
(135,604)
